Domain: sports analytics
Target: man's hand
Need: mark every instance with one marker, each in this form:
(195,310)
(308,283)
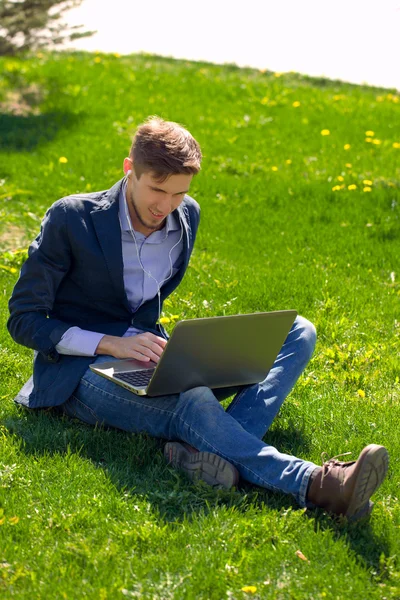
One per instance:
(143,346)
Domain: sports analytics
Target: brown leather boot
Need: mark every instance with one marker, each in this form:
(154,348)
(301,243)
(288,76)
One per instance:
(345,488)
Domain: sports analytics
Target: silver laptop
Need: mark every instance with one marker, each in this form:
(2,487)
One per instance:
(215,352)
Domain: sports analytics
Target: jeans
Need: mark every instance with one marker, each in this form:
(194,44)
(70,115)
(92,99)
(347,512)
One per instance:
(197,417)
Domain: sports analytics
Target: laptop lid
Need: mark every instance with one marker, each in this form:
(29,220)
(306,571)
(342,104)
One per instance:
(214,352)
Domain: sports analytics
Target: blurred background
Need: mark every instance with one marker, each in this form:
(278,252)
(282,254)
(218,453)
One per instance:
(352,40)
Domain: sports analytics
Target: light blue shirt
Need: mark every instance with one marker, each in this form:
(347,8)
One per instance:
(158,252)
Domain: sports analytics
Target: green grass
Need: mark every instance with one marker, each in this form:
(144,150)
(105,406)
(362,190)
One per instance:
(92,513)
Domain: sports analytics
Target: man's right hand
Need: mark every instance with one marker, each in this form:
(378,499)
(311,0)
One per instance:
(143,346)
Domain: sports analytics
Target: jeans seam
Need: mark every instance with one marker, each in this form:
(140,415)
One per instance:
(237,398)
(86,407)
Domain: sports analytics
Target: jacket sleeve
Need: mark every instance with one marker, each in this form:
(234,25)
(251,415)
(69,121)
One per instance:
(49,259)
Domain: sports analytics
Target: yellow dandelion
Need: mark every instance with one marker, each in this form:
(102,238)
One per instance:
(347,146)
(340,178)
(296,104)
(274,168)
(348,165)
(396,144)
(377,142)
(249,589)
(361,393)
(395,99)
(265,100)
(352,186)
(165,320)
(278,74)
(13,520)
(325,132)
(389,96)
(175,317)
(368,139)
(63,159)
(97,59)
(367,182)
(288,161)
(336,188)
(370,133)
(367,189)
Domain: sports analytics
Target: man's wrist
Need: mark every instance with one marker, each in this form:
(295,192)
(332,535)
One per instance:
(106,344)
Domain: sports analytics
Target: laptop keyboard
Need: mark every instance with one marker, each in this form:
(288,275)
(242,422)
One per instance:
(136,378)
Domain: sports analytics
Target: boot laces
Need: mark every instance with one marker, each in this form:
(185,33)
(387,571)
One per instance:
(329,464)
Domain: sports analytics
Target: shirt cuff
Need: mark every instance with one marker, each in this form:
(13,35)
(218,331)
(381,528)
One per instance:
(79,342)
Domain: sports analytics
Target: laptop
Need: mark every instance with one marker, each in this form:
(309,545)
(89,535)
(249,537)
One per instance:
(216,352)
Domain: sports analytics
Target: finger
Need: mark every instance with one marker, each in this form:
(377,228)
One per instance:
(155,338)
(151,346)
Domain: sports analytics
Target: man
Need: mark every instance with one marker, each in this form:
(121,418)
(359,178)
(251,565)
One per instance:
(93,287)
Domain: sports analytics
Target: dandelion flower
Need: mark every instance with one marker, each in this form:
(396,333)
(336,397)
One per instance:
(277,74)
(347,146)
(367,182)
(336,188)
(348,165)
(63,159)
(367,189)
(361,393)
(265,100)
(340,178)
(289,162)
(274,168)
(165,320)
(296,104)
(370,133)
(249,589)
(377,142)
(352,187)
(396,144)
(368,139)
(325,132)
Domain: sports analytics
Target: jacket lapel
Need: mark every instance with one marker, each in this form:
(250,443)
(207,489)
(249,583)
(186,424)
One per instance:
(108,231)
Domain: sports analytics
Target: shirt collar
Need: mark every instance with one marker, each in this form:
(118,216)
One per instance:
(172,220)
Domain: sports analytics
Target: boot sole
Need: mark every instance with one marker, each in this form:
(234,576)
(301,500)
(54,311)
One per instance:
(205,466)
(372,467)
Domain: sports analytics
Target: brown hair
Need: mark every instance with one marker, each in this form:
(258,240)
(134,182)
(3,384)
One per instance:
(164,148)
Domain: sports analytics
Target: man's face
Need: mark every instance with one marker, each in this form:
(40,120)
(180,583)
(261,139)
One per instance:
(150,202)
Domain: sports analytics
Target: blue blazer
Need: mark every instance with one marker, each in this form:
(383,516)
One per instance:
(74,276)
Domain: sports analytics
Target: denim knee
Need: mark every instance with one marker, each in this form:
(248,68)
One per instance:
(307,335)
(199,408)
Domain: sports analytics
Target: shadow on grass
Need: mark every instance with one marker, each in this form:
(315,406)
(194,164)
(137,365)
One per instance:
(135,465)
(22,133)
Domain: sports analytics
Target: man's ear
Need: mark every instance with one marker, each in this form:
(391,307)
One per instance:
(128,165)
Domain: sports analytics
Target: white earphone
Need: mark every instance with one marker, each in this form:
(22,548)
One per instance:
(159,284)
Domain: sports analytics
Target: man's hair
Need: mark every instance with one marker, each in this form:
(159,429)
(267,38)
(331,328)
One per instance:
(164,148)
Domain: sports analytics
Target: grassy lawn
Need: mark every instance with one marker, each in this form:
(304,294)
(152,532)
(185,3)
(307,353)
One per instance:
(291,218)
